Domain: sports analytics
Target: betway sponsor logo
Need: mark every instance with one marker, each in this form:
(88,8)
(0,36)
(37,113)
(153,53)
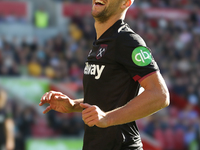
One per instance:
(92,69)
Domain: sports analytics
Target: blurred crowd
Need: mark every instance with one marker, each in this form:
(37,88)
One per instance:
(61,59)
(188,4)
(173,128)
(175,46)
(28,123)
(183,4)
(12,18)
(58,58)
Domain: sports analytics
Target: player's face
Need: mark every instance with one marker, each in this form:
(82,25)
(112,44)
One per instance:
(102,10)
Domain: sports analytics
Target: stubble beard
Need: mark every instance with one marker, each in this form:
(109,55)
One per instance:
(103,16)
(107,12)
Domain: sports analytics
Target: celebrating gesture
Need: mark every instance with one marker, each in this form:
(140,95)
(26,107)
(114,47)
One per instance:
(117,65)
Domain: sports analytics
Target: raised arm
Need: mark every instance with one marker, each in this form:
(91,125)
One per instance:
(60,102)
(154,98)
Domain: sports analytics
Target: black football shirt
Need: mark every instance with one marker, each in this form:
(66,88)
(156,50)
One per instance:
(117,63)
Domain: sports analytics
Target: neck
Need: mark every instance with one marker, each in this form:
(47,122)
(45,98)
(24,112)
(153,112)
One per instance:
(102,27)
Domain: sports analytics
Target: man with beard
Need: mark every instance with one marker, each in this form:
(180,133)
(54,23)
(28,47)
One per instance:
(118,64)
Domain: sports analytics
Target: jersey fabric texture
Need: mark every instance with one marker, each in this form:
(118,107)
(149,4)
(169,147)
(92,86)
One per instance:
(111,78)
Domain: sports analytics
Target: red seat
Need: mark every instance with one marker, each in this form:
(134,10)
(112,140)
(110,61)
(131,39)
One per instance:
(179,140)
(14,8)
(159,136)
(169,139)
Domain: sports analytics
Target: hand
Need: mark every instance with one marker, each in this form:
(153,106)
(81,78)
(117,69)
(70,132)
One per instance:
(58,102)
(93,115)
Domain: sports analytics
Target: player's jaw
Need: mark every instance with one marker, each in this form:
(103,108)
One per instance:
(98,6)
(102,10)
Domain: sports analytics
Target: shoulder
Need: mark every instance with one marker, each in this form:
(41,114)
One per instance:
(126,36)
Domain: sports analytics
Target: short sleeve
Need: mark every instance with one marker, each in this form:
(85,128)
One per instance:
(133,54)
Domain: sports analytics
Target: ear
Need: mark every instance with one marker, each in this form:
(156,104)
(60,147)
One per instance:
(126,4)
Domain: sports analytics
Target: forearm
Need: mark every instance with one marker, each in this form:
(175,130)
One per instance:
(141,106)
(10,144)
(154,98)
(76,105)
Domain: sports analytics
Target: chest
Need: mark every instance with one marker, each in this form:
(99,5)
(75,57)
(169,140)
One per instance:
(100,62)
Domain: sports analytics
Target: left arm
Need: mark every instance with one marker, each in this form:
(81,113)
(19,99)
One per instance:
(154,98)
(10,142)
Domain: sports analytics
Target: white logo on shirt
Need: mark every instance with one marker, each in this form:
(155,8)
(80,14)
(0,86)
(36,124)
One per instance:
(92,69)
(90,53)
(101,51)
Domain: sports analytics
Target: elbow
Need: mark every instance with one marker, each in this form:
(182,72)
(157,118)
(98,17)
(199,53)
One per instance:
(164,99)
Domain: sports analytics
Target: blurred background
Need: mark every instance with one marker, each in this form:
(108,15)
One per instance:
(43,46)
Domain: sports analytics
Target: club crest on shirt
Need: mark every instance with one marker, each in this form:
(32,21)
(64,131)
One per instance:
(101,51)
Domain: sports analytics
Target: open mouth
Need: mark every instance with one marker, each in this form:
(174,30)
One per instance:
(98,2)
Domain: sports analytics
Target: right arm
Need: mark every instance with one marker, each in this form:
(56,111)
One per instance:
(60,102)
